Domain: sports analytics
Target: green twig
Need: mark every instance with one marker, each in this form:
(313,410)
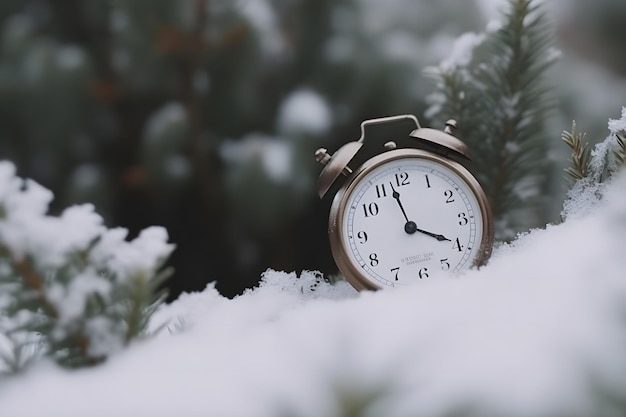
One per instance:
(579,163)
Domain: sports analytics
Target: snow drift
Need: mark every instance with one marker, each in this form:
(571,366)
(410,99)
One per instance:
(538,331)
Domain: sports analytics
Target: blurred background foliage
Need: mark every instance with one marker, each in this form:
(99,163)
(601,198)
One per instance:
(203,115)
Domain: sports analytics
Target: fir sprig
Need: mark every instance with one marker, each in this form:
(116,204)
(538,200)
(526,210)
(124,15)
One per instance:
(581,155)
(71,289)
(592,170)
(500,104)
(124,314)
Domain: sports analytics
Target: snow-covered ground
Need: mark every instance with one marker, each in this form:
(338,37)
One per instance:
(539,331)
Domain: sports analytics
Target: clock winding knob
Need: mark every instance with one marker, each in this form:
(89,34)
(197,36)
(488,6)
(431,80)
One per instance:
(335,165)
(322,156)
(451,126)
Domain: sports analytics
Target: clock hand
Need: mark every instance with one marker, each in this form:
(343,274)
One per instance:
(396,196)
(409,227)
(440,238)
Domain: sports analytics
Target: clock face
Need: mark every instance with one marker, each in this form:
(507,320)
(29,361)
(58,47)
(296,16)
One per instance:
(409,218)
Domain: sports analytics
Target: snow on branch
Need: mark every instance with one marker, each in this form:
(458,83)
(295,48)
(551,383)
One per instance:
(70,288)
(592,169)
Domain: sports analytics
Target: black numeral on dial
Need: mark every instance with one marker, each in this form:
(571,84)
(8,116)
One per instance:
(445,265)
(449,196)
(402,178)
(370,209)
(395,272)
(381,191)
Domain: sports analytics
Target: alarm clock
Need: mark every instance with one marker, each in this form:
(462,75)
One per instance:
(407,213)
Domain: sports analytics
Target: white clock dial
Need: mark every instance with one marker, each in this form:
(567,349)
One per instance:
(408,219)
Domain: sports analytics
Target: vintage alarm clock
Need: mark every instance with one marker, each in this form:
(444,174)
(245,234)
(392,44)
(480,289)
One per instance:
(405,214)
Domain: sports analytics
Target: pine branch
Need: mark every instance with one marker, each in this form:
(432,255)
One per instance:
(581,156)
(592,170)
(516,100)
(72,349)
(24,349)
(500,105)
(33,281)
(82,296)
(147,294)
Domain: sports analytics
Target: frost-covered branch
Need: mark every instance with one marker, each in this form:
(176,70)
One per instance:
(70,288)
(591,170)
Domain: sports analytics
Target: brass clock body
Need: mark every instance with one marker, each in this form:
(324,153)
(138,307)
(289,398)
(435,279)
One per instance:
(406,214)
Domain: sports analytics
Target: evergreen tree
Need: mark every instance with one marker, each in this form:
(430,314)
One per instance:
(170,112)
(493,88)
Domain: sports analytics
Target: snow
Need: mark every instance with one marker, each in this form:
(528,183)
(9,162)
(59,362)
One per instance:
(584,195)
(104,335)
(119,21)
(16,28)
(86,176)
(261,16)
(401,46)
(586,192)
(170,114)
(49,247)
(538,331)
(304,111)
(460,56)
(274,155)
(69,299)
(492,9)
(618,125)
(25,230)
(126,259)
(70,57)
(509,105)
(462,51)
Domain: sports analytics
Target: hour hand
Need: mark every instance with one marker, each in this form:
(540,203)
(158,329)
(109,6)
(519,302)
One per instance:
(410,227)
(440,238)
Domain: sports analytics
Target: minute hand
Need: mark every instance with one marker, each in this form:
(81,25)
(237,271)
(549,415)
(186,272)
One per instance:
(436,236)
(396,196)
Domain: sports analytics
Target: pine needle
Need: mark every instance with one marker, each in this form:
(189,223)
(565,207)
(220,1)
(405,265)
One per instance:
(620,153)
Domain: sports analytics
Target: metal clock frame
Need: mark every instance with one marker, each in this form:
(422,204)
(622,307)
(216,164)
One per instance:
(338,241)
